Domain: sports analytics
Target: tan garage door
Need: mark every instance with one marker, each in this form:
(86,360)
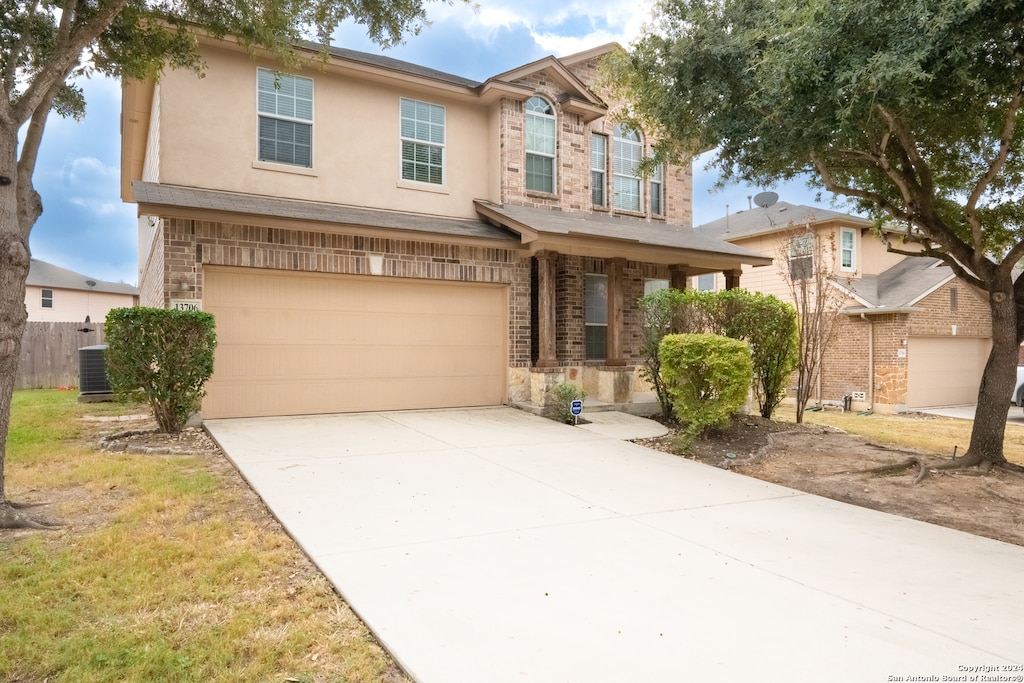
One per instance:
(945,371)
(298,344)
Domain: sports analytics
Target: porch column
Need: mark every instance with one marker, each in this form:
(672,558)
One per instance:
(677,275)
(614,268)
(546,354)
(732,279)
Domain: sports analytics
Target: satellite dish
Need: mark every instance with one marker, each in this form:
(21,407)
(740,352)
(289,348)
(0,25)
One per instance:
(765,199)
(91,283)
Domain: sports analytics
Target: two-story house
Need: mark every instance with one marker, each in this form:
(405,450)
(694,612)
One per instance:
(372,234)
(910,334)
(55,294)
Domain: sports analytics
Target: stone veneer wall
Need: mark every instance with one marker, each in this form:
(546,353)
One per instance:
(189,245)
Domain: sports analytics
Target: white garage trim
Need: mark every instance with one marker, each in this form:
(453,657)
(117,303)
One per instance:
(306,343)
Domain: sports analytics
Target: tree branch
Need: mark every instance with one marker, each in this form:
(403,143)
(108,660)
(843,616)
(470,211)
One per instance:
(10,74)
(997,164)
(66,58)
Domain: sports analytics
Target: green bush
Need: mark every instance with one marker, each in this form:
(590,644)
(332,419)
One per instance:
(707,376)
(561,397)
(768,324)
(162,357)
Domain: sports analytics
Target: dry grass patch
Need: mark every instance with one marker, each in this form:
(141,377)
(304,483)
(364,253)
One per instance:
(168,568)
(917,431)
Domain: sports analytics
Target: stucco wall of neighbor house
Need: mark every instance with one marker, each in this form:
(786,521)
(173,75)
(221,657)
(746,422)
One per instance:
(72,305)
(201,147)
(254,246)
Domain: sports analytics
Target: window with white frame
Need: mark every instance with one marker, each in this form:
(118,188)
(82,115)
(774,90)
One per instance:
(706,282)
(598,169)
(658,191)
(285,106)
(654,285)
(847,249)
(595,317)
(628,151)
(801,257)
(423,141)
(540,145)
(47,299)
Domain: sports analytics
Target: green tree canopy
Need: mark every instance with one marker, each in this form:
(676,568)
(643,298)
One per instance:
(909,108)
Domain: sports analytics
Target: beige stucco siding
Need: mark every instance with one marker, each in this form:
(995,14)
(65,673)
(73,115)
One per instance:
(201,147)
(71,305)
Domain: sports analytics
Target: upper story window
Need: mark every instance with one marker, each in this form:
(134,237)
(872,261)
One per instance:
(658,191)
(628,152)
(47,299)
(801,257)
(540,145)
(285,105)
(423,141)
(598,169)
(847,250)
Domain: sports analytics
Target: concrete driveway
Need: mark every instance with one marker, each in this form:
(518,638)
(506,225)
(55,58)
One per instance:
(492,545)
(1015,416)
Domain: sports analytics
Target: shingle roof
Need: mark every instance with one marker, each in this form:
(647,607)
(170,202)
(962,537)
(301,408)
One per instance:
(395,65)
(778,216)
(43,274)
(320,212)
(620,227)
(904,284)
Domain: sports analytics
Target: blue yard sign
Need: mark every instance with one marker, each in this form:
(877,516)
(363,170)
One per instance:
(576,407)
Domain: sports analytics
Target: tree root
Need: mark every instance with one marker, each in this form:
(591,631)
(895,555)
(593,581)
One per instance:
(1008,499)
(11,517)
(961,465)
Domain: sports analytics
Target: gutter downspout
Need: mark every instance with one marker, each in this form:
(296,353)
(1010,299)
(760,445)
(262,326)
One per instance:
(871,361)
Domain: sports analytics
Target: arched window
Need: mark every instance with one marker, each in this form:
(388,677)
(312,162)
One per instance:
(540,145)
(628,152)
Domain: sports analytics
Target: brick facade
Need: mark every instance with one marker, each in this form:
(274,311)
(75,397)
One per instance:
(191,244)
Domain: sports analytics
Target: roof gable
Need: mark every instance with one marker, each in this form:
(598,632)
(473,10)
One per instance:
(903,285)
(778,217)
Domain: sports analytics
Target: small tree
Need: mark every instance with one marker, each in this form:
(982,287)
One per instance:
(769,326)
(707,376)
(806,263)
(766,323)
(162,356)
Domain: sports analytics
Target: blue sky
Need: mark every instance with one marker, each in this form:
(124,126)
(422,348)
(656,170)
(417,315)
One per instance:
(85,227)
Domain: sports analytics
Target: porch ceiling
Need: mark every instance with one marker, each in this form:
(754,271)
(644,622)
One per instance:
(604,236)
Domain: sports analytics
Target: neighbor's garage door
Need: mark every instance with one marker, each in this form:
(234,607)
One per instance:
(945,371)
(294,344)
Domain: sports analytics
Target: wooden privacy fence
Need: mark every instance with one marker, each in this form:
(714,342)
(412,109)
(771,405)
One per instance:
(49,353)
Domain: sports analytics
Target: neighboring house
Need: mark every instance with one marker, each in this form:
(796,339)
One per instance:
(911,335)
(55,294)
(377,235)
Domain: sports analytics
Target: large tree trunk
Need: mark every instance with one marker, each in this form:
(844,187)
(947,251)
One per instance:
(16,219)
(995,394)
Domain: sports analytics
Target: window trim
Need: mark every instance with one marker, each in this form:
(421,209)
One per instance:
(587,323)
(46,301)
(443,146)
(553,156)
(853,250)
(603,170)
(620,140)
(310,122)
